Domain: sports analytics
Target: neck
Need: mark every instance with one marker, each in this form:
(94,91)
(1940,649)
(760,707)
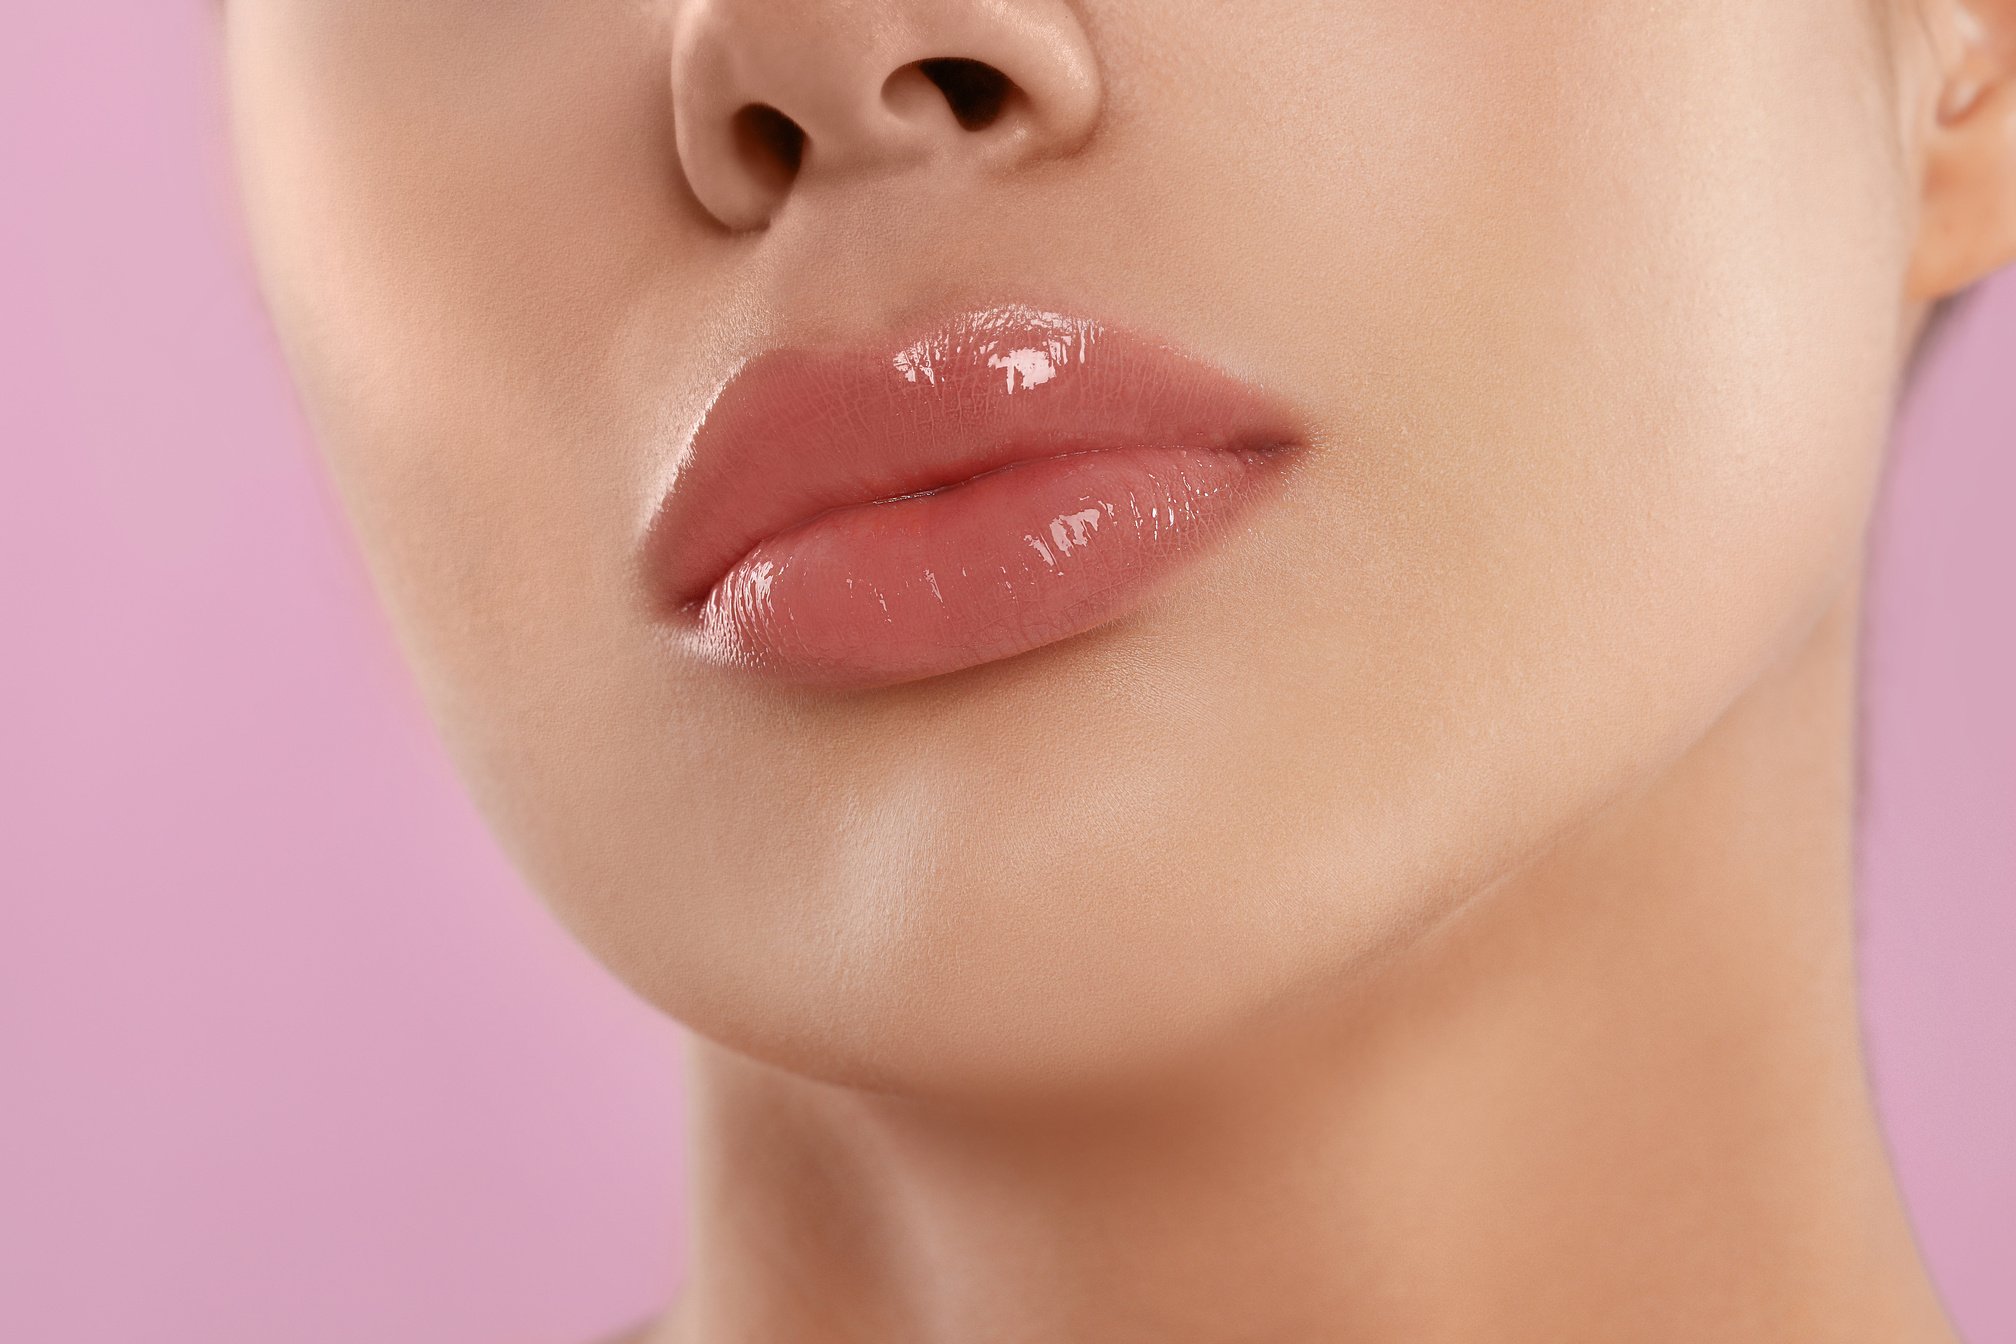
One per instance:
(1619,1096)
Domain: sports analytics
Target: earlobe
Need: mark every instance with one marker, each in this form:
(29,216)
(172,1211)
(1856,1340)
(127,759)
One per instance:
(1967,221)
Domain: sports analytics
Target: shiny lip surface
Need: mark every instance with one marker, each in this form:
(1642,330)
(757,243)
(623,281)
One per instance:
(1013,478)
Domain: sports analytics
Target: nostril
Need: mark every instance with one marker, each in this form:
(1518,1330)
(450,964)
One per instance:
(771,143)
(976,92)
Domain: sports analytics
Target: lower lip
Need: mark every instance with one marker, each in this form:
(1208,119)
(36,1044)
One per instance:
(1023,556)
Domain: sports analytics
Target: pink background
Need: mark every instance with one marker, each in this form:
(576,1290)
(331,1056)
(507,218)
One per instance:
(286,1053)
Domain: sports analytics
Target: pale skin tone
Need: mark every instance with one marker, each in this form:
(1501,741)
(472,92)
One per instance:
(1431,917)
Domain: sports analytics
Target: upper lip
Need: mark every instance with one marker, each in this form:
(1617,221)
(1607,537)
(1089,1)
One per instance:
(797,432)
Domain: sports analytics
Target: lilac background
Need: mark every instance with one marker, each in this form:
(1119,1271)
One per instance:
(285,1051)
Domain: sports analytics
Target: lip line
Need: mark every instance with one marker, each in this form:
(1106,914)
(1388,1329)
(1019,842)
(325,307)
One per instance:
(696,597)
(741,559)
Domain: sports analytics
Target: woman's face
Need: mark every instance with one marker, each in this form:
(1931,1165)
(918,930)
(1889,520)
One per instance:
(1591,315)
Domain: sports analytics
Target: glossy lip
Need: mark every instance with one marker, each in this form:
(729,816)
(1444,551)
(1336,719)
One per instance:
(1014,477)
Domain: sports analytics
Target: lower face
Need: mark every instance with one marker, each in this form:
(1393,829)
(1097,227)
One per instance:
(1588,317)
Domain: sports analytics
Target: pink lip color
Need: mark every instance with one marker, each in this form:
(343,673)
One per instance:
(1017,477)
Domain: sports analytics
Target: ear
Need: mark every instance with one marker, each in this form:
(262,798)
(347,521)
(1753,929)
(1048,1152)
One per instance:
(1967,214)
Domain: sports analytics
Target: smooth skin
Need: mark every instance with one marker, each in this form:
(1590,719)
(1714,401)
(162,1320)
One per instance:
(1430,919)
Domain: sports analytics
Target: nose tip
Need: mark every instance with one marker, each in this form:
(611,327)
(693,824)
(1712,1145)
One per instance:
(768,94)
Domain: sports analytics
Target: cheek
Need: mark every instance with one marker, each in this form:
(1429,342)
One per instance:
(453,207)
(1601,309)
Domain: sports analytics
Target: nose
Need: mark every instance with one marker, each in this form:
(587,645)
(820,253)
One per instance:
(772,94)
